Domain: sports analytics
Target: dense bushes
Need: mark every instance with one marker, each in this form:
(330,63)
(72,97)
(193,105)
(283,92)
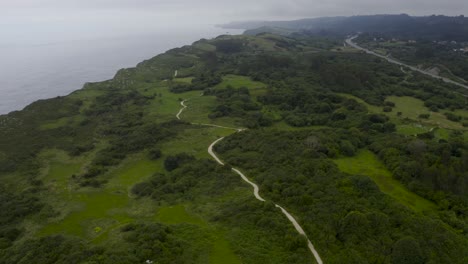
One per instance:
(173,162)
(229,45)
(200,82)
(347,215)
(14,208)
(185,174)
(143,241)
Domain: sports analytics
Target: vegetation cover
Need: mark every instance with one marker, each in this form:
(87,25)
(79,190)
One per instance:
(371,160)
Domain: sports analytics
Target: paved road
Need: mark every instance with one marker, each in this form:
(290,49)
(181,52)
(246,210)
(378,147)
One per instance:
(256,191)
(350,42)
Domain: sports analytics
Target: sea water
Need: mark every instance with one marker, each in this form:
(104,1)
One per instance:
(39,67)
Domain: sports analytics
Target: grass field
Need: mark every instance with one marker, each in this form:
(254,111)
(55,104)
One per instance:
(371,108)
(166,105)
(221,253)
(411,108)
(74,120)
(238,81)
(412,129)
(198,109)
(409,122)
(177,214)
(184,80)
(97,214)
(366,163)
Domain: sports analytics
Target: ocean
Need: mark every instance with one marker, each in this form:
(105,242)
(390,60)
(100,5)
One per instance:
(39,68)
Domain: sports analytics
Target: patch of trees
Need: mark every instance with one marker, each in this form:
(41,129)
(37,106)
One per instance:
(15,207)
(247,220)
(185,175)
(347,214)
(128,140)
(200,82)
(116,100)
(453,117)
(141,242)
(238,103)
(433,169)
(229,46)
(173,162)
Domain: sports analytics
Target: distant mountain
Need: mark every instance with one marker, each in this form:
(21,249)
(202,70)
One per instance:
(405,26)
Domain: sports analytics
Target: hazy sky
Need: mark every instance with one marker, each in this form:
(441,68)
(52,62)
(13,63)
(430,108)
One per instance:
(68,19)
(219,10)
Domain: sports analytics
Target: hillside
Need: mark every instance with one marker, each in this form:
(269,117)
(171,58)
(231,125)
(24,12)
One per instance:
(369,159)
(399,26)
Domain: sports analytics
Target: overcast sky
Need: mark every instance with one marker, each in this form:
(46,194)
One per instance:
(219,10)
(68,18)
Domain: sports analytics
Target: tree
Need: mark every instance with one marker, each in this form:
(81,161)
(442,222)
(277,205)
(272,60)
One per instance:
(407,251)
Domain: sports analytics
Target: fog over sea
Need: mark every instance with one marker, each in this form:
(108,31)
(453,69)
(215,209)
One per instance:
(43,62)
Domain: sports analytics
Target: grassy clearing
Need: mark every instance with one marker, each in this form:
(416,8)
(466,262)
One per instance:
(135,170)
(198,109)
(187,80)
(371,108)
(411,108)
(59,169)
(60,174)
(98,212)
(64,121)
(221,253)
(89,213)
(238,81)
(412,129)
(205,46)
(177,214)
(366,163)
(195,141)
(87,95)
(166,105)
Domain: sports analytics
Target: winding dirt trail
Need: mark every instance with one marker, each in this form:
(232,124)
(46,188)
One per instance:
(182,109)
(256,189)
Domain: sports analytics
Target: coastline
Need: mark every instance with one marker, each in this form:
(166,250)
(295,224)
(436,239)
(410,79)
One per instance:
(29,73)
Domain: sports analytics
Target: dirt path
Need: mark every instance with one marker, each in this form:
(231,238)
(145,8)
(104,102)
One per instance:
(182,109)
(256,189)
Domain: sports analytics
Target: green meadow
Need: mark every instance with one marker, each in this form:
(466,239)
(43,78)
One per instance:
(366,163)
(409,123)
(97,215)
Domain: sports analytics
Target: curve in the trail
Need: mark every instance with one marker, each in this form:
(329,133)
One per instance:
(184,106)
(182,109)
(256,191)
(350,42)
(291,218)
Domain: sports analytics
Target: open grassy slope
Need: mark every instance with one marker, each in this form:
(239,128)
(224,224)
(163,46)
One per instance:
(366,163)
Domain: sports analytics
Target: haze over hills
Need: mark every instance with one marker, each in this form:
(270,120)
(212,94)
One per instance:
(430,27)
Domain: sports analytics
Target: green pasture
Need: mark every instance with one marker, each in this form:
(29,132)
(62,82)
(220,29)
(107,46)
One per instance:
(366,163)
